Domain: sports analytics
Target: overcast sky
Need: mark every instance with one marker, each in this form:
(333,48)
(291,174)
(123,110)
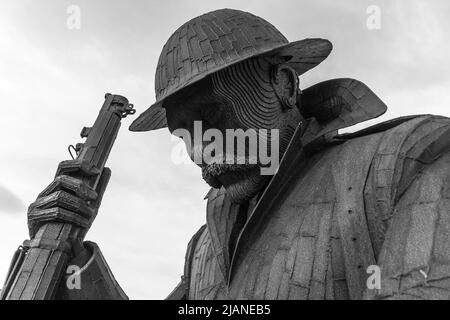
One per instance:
(52,82)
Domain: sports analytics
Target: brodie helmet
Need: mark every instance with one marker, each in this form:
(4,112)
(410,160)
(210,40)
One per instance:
(214,41)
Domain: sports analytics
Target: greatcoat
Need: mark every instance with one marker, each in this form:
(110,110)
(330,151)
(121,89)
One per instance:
(338,204)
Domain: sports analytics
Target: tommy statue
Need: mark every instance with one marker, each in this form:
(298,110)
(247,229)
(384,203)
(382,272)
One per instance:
(337,203)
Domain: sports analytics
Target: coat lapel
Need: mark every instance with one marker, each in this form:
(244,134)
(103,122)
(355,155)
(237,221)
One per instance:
(329,106)
(221,215)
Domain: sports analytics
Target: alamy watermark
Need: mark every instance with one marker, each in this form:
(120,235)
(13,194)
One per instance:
(373,21)
(374,280)
(73,21)
(236,146)
(74,279)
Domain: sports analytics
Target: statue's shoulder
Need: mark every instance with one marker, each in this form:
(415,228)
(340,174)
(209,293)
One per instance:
(405,148)
(404,126)
(425,135)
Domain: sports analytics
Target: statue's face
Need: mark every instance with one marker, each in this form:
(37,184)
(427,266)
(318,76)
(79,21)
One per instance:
(254,95)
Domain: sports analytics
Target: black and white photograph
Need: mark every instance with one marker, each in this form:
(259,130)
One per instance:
(247,151)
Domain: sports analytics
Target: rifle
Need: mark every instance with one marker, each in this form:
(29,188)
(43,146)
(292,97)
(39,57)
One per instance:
(38,266)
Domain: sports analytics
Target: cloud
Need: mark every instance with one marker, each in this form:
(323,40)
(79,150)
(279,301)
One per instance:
(9,202)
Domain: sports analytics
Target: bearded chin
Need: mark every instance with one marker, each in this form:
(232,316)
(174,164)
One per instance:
(241,182)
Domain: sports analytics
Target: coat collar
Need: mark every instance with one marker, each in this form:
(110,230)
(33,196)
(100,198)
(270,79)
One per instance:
(328,106)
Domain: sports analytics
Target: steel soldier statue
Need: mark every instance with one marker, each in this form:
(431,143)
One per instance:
(338,203)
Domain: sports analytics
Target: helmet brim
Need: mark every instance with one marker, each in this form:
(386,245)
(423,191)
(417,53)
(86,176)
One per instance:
(303,56)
